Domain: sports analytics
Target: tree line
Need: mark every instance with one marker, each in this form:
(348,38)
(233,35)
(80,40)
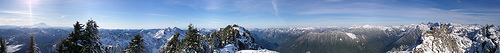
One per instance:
(85,38)
(208,43)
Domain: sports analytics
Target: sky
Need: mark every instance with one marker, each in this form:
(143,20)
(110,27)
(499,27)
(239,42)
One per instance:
(147,14)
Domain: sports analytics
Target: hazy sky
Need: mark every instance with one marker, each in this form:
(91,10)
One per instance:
(248,13)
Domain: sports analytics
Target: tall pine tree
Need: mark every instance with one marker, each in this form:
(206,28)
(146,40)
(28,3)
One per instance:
(487,31)
(82,41)
(172,45)
(69,45)
(136,46)
(3,47)
(192,40)
(33,48)
(91,38)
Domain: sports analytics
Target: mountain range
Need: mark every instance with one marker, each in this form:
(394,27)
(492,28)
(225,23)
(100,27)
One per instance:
(423,37)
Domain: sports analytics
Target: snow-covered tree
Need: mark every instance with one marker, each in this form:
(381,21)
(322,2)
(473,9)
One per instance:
(91,38)
(69,45)
(82,41)
(208,43)
(33,48)
(136,46)
(172,45)
(192,40)
(3,47)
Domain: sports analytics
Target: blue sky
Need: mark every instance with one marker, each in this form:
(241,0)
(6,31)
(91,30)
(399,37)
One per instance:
(135,14)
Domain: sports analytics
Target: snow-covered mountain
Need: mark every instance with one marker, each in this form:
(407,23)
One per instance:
(369,38)
(457,38)
(365,38)
(153,38)
(244,41)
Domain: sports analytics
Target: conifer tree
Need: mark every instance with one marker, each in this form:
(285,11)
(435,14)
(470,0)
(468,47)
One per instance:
(33,48)
(136,45)
(206,43)
(172,45)
(216,40)
(487,31)
(82,41)
(3,47)
(69,45)
(91,38)
(192,40)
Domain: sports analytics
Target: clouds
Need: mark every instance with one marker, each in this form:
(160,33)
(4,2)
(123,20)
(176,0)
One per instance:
(262,13)
(61,18)
(275,7)
(375,9)
(16,12)
(14,17)
(214,4)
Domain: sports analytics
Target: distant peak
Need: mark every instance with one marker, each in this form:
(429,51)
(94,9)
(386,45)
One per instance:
(175,28)
(41,24)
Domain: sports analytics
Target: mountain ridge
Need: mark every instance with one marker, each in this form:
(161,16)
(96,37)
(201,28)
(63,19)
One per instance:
(394,37)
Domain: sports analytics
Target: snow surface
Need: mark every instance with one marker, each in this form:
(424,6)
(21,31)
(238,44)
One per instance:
(461,39)
(351,35)
(241,31)
(153,38)
(13,48)
(229,48)
(160,33)
(372,27)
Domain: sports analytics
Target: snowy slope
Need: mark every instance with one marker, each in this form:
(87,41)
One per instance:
(243,42)
(455,38)
(153,38)
(460,37)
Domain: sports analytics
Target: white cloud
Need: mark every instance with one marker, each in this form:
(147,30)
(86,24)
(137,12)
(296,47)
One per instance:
(398,13)
(385,10)
(20,20)
(7,20)
(16,12)
(214,4)
(62,18)
(275,7)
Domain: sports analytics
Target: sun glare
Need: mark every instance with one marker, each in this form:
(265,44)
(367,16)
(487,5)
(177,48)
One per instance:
(30,2)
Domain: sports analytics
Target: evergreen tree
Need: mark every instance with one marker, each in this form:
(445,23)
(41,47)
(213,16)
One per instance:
(192,40)
(196,43)
(3,47)
(172,45)
(82,41)
(33,48)
(91,38)
(136,46)
(215,40)
(69,45)
(487,31)
(206,43)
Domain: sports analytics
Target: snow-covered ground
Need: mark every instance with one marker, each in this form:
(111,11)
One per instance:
(351,35)
(456,38)
(153,38)
(229,48)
